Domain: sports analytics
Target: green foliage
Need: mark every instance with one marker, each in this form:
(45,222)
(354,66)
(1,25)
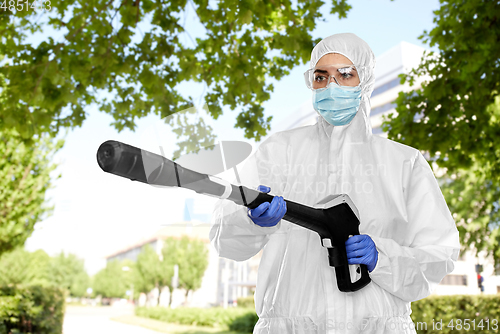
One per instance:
(23,267)
(210,317)
(244,323)
(31,309)
(64,271)
(447,308)
(24,178)
(103,49)
(473,199)
(455,115)
(68,271)
(192,258)
(149,272)
(153,271)
(112,281)
(247,302)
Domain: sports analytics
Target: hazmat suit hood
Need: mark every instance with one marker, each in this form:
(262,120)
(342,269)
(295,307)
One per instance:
(359,53)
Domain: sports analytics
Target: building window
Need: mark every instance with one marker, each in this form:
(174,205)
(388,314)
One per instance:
(454,280)
(383,108)
(391,84)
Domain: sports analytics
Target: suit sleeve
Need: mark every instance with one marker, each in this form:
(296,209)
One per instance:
(411,268)
(233,234)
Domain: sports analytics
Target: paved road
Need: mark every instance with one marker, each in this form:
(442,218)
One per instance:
(96,320)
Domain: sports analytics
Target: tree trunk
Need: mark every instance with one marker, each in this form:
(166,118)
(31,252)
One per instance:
(170,298)
(186,298)
(159,295)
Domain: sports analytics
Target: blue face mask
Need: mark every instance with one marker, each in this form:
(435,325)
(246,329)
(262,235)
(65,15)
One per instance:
(336,105)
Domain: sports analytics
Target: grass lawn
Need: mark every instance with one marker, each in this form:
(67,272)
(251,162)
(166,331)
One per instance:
(169,328)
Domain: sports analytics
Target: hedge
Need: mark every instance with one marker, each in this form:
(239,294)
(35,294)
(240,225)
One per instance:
(430,311)
(244,323)
(31,309)
(247,302)
(210,317)
(451,311)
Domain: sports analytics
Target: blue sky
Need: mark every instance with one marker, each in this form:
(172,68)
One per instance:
(97,213)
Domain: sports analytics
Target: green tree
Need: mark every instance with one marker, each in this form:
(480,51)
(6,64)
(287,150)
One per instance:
(103,49)
(68,271)
(150,272)
(473,199)
(24,178)
(172,255)
(455,115)
(112,281)
(192,258)
(154,271)
(22,267)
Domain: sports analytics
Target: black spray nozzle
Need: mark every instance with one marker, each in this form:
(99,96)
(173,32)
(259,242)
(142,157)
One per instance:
(136,164)
(140,165)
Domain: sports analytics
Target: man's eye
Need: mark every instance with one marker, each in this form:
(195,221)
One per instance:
(320,78)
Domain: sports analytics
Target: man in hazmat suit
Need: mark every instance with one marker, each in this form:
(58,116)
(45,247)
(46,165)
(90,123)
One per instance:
(408,239)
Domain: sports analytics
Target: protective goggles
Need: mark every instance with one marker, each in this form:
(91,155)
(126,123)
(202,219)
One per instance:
(344,75)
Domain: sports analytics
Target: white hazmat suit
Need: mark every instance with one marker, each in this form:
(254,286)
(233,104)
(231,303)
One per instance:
(401,208)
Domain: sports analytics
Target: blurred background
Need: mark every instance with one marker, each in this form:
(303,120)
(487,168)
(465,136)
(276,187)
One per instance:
(177,77)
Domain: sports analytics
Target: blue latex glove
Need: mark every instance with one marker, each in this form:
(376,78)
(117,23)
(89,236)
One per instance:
(361,250)
(268,214)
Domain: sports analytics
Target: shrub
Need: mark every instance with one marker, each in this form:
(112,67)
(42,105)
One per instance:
(247,302)
(244,323)
(210,317)
(31,309)
(453,310)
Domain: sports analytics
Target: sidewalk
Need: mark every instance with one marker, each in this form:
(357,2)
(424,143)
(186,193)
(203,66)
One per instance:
(96,320)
